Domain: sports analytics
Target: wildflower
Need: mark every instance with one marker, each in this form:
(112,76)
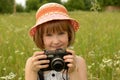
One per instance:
(119,52)
(107,62)
(102,66)
(10,57)
(71,47)
(10,76)
(35,49)
(20,78)
(17,51)
(22,53)
(4,69)
(89,66)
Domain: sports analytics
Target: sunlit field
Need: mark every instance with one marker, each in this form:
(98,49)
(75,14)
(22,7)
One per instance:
(97,41)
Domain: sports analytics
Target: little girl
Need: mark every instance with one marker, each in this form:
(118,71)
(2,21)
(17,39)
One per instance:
(54,29)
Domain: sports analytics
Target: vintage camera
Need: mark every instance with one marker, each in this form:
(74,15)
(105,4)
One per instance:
(56,59)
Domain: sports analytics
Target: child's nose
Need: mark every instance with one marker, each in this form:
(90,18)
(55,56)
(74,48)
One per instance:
(56,40)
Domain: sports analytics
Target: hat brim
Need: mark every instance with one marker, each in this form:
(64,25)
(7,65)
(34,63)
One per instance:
(52,17)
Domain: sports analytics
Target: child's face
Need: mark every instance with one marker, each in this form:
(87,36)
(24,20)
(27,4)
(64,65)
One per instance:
(56,40)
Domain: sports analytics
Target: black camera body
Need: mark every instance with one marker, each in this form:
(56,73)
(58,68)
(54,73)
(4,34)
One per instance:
(56,59)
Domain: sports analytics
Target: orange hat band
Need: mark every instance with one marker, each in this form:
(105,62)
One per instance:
(51,9)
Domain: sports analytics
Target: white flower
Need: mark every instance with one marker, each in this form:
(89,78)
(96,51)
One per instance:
(10,76)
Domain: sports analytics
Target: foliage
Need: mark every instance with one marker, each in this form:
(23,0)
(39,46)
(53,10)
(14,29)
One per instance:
(32,5)
(6,6)
(95,6)
(97,41)
(111,2)
(57,1)
(19,8)
(75,5)
(87,4)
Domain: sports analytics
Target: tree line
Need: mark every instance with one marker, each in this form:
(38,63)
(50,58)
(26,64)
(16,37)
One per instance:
(9,6)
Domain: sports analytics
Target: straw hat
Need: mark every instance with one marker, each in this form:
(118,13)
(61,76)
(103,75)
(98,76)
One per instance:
(49,12)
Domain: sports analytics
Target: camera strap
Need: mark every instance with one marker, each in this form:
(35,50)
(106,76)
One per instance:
(67,77)
(41,75)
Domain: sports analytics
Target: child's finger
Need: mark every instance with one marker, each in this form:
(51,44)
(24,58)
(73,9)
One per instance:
(43,66)
(70,51)
(68,57)
(39,57)
(69,60)
(70,65)
(38,53)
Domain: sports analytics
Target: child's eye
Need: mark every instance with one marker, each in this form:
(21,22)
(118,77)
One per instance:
(61,33)
(48,34)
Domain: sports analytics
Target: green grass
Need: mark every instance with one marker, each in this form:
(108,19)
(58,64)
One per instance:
(98,41)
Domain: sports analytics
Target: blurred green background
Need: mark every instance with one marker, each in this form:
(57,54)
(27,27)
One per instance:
(97,41)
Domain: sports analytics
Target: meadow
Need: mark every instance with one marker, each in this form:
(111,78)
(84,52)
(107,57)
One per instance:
(97,41)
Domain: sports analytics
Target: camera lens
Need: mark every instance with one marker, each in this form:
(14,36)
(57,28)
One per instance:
(57,64)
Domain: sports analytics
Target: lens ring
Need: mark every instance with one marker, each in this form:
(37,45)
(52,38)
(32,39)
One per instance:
(59,66)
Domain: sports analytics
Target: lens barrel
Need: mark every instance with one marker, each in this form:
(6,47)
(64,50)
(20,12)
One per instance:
(57,64)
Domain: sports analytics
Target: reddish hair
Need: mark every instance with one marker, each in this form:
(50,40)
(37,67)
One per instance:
(53,27)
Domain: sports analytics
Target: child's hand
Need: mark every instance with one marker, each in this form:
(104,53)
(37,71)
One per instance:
(71,59)
(37,61)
